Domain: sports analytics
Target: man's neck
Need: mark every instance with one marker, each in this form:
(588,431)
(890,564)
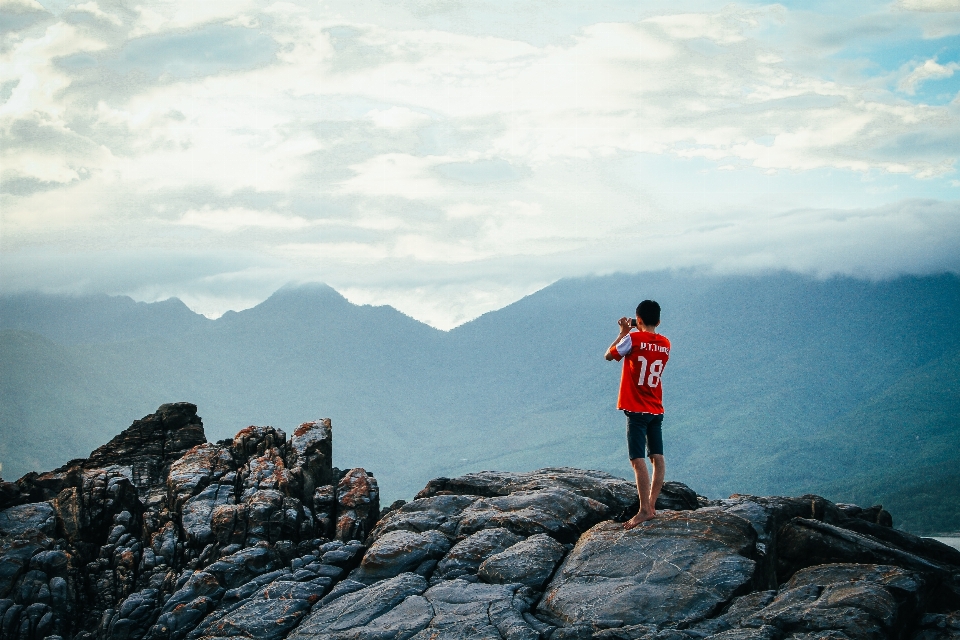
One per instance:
(647,328)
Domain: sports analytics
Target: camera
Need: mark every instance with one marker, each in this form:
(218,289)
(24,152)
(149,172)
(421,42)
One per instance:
(633,322)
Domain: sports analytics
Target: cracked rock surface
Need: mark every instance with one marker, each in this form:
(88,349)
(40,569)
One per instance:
(162,535)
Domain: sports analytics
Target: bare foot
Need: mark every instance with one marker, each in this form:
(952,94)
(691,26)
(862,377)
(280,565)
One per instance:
(638,519)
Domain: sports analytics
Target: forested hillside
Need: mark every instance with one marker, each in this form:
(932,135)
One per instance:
(776,384)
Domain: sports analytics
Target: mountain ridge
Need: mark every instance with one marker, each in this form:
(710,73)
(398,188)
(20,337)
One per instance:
(756,403)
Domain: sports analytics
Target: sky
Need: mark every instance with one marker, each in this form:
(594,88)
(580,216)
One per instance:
(448,157)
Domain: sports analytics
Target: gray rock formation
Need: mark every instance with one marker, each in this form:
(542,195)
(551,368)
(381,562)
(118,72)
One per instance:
(161,535)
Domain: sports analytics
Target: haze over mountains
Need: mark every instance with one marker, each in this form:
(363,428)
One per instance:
(776,384)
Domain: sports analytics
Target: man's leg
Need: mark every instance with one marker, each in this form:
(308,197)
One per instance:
(636,444)
(646,511)
(659,471)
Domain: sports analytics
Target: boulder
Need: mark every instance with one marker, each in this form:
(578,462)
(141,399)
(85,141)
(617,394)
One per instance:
(530,562)
(804,543)
(926,548)
(679,568)
(198,467)
(266,472)
(185,609)
(465,556)
(401,552)
(36,516)
(345,616)
(676,496)
(269,614)
(133,618)
(863,602)
(358,497)
(151,444)
(874,515)
(311,455)
(197,512)
(255,441)
(243,566)
(619,495)
(440,512)
(403,607)
(558,512)
(938,626)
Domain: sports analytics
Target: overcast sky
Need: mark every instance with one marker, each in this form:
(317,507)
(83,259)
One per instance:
(448,157)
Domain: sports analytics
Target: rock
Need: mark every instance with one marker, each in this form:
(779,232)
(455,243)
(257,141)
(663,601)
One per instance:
(803,543)
(160,535)
(864,602)
(268,615)
(15,554)
(134,617)
(926,548)
(243,566)
(197,513)
(678,568)
(185,609)
(464,558)
(874,515)
(769,514)
(558,512)
(464,610)
(403,607)
(255,441)
(37,516)
(530,563)
(440,512)
(401,552)
(677,496)
(325,510)
(312,455)
(741,608)
(358,496)
(151,444)
(342,617)
(938,626)
(9,494)
(617,494)
(198,467)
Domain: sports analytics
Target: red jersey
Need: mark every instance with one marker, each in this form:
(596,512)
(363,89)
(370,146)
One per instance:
(644,356)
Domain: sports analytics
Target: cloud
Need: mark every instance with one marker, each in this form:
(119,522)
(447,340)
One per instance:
(227,220)
(929,70)
(929,5)
(397,118)
(417,153)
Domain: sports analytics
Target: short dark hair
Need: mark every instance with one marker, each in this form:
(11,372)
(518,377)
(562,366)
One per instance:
(649,312)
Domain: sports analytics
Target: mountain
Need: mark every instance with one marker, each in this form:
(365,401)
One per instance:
(161,535)
(776,384)
(95,318)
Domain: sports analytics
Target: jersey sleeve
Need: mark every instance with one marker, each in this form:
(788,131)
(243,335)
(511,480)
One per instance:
(622,348)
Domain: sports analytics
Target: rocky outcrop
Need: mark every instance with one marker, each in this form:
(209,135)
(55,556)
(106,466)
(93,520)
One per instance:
(161,535)
(158,530)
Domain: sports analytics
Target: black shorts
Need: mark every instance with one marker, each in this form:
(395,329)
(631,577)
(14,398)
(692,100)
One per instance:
(644,431)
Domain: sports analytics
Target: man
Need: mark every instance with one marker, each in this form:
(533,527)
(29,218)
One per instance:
(644,353)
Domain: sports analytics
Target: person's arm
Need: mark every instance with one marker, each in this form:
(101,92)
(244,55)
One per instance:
(612,352)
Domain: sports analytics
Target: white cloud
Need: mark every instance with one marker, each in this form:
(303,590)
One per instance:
(20,5)
(928,70)
(227,220)
(396,174)
(94,9)
(929,5)
(382,150)
(397,118)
